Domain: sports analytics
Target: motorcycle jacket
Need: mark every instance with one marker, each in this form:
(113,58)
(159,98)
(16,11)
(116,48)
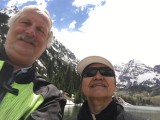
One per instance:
(25,95)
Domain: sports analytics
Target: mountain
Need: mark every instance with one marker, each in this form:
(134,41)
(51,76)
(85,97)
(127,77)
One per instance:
(133,73)
(136,73)
(58,64)
(59,51)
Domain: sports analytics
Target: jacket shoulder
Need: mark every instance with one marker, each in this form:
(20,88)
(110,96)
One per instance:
(45,88)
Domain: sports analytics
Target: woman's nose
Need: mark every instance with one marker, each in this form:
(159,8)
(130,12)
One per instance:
(98,76)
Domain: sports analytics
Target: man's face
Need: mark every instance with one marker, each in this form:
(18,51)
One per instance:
(27,38)
(98,86)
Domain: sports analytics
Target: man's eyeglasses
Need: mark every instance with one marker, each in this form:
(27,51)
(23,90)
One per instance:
(92,71)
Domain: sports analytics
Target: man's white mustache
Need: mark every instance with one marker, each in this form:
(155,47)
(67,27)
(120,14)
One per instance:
(27,38)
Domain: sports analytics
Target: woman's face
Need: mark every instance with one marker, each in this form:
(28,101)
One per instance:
(98,86)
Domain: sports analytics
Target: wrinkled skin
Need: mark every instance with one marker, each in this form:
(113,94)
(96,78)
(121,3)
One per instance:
(24,51)
(98,90)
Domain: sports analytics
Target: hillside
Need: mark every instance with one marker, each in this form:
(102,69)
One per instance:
(143,96)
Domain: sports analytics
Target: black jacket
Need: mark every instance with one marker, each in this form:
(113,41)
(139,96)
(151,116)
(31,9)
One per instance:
(114,111)
(26,95)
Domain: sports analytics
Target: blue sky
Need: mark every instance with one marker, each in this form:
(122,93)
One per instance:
(120,30)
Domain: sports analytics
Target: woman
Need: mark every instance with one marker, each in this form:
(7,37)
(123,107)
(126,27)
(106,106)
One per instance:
(98,86)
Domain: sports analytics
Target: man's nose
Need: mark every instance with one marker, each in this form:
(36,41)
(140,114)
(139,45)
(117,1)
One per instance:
(31,31)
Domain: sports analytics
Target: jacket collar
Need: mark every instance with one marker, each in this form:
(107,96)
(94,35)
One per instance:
(23,75)
(109,112)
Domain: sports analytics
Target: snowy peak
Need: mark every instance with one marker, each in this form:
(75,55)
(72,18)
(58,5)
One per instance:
(136,73)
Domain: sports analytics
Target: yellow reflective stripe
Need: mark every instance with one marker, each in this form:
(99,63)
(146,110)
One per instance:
(1,64)
(13,107)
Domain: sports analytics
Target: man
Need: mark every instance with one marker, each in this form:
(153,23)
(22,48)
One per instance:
(98,86)
(24,94)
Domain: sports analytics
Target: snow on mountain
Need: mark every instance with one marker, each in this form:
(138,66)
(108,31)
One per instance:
(136,73)
(127,74)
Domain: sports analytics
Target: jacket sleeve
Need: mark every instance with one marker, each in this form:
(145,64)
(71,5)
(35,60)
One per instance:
(53,106)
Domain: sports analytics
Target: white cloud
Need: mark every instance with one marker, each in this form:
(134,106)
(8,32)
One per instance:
(121,30)
(72,25)
(82,3)
(41,3)
(17,2)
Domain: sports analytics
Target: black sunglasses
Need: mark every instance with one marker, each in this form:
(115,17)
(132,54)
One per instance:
(92,71)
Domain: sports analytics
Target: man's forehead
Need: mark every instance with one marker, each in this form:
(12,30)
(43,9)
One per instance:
(39,12)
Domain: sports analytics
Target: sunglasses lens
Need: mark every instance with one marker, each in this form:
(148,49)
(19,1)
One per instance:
(106,71)
(92,71)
